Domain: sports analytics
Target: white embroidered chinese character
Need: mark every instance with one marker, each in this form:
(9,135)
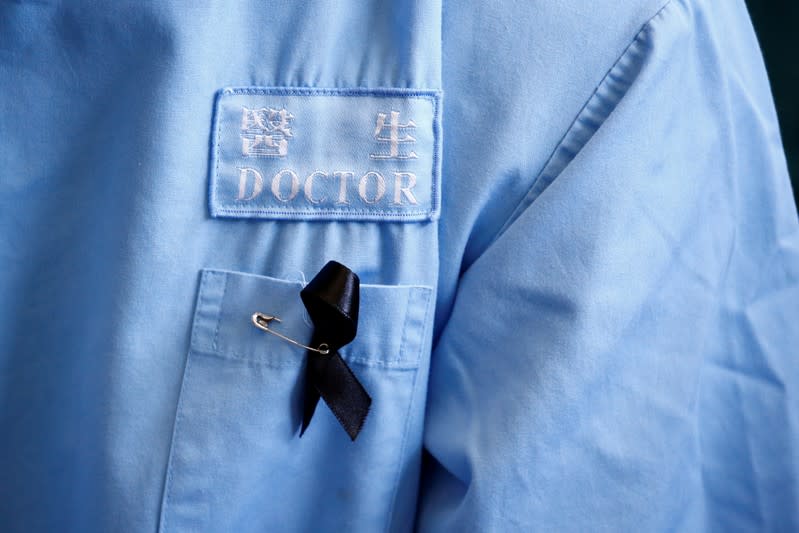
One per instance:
(265,132)
(394,126)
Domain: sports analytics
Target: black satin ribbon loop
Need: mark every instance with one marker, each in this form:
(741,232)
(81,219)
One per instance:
(332,301)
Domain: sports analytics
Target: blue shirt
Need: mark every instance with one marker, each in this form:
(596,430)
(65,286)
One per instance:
(572,223)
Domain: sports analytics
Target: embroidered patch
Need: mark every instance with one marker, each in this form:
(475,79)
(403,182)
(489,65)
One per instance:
(326,154)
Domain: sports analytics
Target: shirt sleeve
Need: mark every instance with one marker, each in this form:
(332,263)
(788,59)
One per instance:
(621,357)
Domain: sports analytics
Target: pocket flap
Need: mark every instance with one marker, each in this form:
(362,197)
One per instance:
(390,325)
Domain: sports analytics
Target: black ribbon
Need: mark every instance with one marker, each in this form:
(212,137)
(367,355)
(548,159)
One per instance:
(332,299)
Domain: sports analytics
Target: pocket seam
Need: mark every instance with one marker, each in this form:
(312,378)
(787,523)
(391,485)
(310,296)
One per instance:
(403,344)
(405,431)
(179,408)
(394,364)
(214,344)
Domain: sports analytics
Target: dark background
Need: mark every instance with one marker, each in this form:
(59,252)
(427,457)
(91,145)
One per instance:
(777,26)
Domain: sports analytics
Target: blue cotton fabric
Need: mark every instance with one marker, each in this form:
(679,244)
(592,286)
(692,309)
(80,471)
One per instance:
(595,332)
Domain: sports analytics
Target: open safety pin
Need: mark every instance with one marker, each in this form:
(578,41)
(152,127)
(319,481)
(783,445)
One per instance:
(262,321)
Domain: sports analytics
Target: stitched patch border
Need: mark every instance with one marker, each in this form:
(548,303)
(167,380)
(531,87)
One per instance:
(266,135)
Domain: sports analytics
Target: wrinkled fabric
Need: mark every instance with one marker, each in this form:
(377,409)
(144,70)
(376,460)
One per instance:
(595,333)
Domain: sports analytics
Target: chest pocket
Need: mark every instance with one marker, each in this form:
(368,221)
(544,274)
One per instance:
(237,462)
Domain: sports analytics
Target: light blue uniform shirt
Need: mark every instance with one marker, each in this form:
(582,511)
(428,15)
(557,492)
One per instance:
(572,223)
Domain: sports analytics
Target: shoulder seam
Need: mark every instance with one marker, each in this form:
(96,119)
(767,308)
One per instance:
(596,109)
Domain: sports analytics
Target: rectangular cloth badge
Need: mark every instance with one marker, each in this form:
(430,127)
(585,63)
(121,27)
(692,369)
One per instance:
(326,154)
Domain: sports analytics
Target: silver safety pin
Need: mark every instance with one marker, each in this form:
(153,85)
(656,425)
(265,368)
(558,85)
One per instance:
(262,321)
